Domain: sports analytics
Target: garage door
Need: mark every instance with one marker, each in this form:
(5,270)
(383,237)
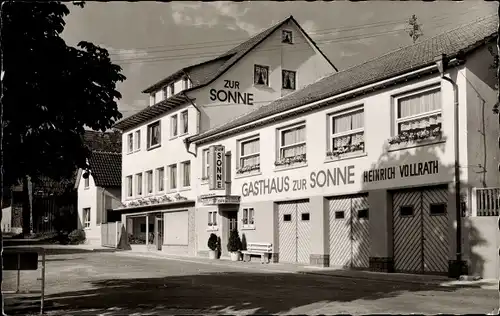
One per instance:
(176,228)
(421,231)
(294,232)
(349,232)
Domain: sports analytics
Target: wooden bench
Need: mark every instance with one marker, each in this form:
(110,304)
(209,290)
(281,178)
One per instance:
(258,249)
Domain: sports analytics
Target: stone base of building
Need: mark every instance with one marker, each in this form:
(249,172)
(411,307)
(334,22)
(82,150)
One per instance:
(381,264)
(203,254)
(457,268)
(319,260)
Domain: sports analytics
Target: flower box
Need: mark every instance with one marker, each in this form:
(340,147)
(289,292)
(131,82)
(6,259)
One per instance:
(248,169)
(345,150)
(417,134)
(291,160)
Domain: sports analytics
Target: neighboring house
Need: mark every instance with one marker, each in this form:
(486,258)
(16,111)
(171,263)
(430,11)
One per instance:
(357,169)
(99,191)
(157,176)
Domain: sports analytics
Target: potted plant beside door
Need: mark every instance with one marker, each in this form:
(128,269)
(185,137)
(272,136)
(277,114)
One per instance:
(212,245)
(234,245)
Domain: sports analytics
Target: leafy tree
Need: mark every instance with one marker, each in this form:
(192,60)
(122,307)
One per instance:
(51,93)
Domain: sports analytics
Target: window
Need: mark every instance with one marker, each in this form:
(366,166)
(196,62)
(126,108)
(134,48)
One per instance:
(212,219)
(151,228)
(339,214)
(420,111)
(292,142)
(130,143)
(288,79)
(86,182)
(165,93)
(137,140)
(86,217)
(261,75)
(286,37)
(438,209)
(347,132)
(186,174)
(173,176)
(185,83)
(406,210)
(287,217)
(249,152)
(248,217)
(129,186)
(184,120)
(152,98)
(149,181)
(154,134)
(363,214)
(138,183)
(172,89)
(160,179)
(206,164)
(173,124)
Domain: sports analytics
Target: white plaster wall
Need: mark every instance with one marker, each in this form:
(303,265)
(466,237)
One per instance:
(378,108)
(171,151)
(301,57)
(88,198)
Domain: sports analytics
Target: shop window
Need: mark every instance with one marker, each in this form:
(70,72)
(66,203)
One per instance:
(151,228)
(363,214)
(305,216)
(406,210)
(287,217)
(339,214)
(438,209)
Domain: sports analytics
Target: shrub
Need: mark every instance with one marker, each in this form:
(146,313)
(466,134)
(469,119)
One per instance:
(243,242)
(219,249)
(234,243)
(213,242)
(76,237)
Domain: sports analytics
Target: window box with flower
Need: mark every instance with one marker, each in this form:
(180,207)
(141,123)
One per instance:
(430,133)
(292,146)
(347,136)
(248,169)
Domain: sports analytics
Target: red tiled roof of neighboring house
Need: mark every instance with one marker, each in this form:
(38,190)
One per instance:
(106,168)
(202,74)
(398,62)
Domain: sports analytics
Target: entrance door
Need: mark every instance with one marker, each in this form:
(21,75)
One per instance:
(159,232)
(294,232)
(349,232)
(421,231)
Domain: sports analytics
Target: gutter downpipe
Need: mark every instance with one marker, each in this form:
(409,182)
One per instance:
(186,142)
(442,64)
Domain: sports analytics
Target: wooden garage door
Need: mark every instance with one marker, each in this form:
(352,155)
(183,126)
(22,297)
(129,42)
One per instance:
(349,231)
(421,230)
(294,231)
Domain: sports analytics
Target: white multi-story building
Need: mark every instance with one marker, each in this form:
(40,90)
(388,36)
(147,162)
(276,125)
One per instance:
(158,185)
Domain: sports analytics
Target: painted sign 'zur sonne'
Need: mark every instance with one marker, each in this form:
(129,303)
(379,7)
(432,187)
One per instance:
(235,97)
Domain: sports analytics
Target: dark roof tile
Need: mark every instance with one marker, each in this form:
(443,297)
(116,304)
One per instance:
(394,63)
(106,168)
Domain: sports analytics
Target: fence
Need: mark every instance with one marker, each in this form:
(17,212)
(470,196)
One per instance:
(487,201)
(110,234)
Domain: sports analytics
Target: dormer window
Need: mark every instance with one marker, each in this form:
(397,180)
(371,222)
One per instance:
(165,93)
(286,37)
(261,75)
(152,99)
(185,83)
(172,89)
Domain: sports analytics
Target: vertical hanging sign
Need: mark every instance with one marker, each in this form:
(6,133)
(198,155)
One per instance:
(217,168)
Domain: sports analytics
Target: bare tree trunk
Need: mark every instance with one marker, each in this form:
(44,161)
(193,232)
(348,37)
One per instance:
(26,207)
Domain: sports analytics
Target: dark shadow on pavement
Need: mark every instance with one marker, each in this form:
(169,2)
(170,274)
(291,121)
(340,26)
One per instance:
(253,293)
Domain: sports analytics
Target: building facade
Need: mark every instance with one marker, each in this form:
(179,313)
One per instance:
(158,191)
(363,175)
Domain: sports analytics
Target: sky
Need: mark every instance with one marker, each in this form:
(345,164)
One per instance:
(151,40)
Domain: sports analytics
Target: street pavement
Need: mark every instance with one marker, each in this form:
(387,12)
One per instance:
(90,283)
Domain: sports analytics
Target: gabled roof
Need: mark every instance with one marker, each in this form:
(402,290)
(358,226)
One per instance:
(459,40)
(106,168)
(204,73)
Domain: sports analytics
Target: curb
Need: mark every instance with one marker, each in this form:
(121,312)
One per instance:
(378,279)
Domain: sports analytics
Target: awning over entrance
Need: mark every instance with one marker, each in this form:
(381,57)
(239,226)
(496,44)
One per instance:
(212,199)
